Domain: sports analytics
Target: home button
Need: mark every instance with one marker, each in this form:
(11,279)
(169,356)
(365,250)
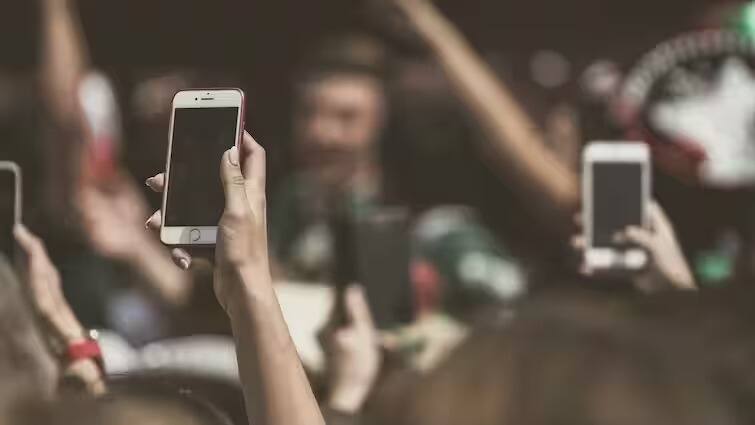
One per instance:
(195,235)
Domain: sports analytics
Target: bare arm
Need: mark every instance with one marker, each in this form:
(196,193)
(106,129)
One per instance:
(112,220)
(516,144)
(63,327)
(64,58)
(276,388)
(154,264)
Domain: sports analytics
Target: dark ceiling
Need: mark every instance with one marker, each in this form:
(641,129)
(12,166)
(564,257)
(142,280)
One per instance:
(271,32)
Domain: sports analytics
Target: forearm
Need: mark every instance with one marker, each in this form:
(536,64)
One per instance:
(276,388)
(153,262)
(64,58)
(516,144)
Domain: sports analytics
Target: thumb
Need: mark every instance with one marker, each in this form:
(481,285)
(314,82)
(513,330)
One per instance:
(233,182)
(358,308)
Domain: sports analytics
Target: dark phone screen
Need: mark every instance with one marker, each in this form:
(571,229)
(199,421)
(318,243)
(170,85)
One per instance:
(7,212)
(200,137)
(383,258)
(374,251)
(617,200)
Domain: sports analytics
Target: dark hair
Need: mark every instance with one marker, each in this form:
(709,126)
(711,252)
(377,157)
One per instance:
(211,401)
(150,398)
(352,54)
(581,359)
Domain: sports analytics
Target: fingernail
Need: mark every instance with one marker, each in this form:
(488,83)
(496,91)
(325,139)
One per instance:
(233,158)
(184,263)
(146,223)
(148,182)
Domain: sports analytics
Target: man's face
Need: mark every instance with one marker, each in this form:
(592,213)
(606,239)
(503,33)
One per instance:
(338,121)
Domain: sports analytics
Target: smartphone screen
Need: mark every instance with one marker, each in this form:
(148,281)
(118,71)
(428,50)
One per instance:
(200,137)
(617,200)
(374,251)
(7,212)
(382,264)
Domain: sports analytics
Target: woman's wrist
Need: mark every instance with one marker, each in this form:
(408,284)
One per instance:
(252,288)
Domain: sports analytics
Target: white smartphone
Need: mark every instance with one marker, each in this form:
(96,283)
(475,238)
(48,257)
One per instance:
(616,194)
(204,124)
(10,206)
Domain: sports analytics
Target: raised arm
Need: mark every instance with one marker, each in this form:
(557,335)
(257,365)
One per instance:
(113,221)
(61,324)
(276,388)
(64,58)
(515,144)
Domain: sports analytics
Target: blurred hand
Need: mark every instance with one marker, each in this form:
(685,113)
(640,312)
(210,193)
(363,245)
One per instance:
(242,231)
(51,306)
(354,355)
(112,218)
(45,289)
(667,260)
(660,241)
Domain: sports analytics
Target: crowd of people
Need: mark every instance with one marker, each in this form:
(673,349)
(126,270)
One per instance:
(102,324)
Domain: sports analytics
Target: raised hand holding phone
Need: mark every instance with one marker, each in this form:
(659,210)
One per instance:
(242,230)
(616,194)
(659,239)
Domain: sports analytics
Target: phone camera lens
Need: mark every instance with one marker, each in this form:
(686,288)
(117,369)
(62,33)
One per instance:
(196,98)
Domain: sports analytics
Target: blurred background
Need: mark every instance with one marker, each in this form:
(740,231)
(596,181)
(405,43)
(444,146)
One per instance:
(259,46)
(577,68)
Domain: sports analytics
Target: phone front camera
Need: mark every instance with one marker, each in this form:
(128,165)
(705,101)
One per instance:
(196,98)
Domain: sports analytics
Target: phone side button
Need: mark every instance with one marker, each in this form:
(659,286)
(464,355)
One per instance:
(195,235)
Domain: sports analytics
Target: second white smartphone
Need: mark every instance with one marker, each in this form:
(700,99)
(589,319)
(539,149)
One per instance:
(616,194)
(204,124)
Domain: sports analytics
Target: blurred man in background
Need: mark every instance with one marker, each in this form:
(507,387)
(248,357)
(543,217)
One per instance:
(339,117)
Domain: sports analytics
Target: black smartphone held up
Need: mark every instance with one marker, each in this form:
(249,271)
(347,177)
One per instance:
(383,262)
(10,206)
(205,123)
(374,250)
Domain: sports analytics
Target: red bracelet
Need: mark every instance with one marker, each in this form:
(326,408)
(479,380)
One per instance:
(86,349)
